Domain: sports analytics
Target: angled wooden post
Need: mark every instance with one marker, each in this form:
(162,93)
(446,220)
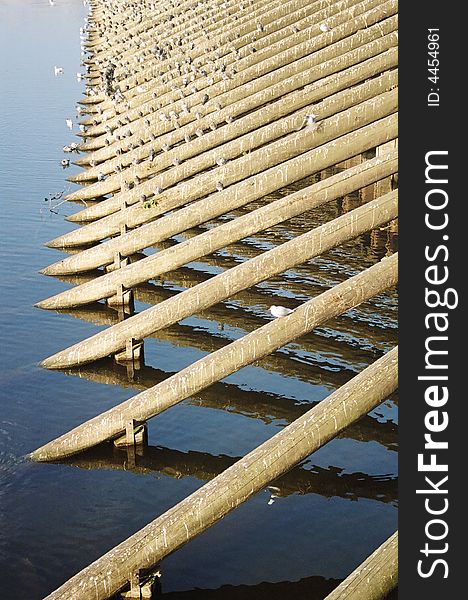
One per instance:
(253,168)
(219,364)
(285,90)
(260,219)
(235,485)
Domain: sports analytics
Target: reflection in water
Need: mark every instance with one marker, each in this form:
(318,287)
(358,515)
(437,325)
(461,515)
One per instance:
(312,588)
(248,311)
(324,357)
(305,479)
(268,407)
(55,519)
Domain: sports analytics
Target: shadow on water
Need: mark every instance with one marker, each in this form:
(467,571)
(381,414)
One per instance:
(298,539)
(268,407)
(313,588)
(306,479)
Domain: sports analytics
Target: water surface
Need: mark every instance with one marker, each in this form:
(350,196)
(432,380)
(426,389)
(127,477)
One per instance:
(331,511)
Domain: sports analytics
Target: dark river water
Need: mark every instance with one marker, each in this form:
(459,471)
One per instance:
(331,512)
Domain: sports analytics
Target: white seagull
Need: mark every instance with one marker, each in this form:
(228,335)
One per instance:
(310,121)
(69,123)
(324,27)
(58,71)
(280,311)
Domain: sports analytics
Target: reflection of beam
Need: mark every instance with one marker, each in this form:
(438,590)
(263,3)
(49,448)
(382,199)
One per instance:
(304,280)
(363,325)
(312,480)
(242,317)
(338,263)
(382,275)
(223,494)
(318,274)
(364,246)
(286,362)
(308,587)
(298,287)
(230,397)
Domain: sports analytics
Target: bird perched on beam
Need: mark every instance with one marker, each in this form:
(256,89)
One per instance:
(280,311)
(310,121)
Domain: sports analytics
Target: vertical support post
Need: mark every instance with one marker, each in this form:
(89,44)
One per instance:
(135,435)
(120,262)
(351,201)
(135,582)
(385,185)
(130,371)
(367,194)
(140,590)
(122,301)
(130,432)
(133,353)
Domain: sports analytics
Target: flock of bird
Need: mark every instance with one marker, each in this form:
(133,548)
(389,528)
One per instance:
(114,78)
